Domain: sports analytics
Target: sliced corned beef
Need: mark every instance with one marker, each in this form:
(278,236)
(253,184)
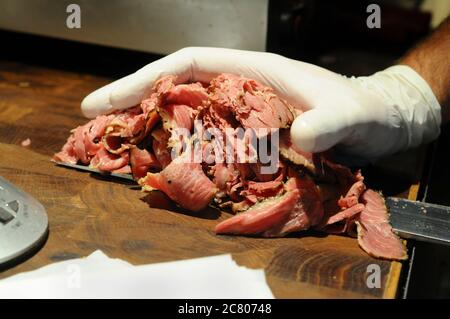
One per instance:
(160,140)
(293,154)
(352,197)
(193,95)
(106,161)
(307,212)
(184,182)
(84,142)
(375,234)
(123,170)
(177,116)
(254,105)
(260,217)
(342,214)
(67,153)
(141,161)
(302,190)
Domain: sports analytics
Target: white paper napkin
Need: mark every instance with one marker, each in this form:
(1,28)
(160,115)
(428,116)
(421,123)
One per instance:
(98,276)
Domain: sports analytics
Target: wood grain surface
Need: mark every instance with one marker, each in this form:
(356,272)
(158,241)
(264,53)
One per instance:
(87,213)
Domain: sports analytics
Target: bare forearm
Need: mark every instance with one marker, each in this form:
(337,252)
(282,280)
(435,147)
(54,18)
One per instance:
(431,59)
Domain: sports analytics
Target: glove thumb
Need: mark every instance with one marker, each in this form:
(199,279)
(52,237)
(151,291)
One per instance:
(319,129)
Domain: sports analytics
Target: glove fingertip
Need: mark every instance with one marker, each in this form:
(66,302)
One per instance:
(95,104)
(303,135)
(317,130)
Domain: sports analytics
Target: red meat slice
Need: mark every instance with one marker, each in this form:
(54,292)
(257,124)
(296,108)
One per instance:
(254,105)
(307,212)
(84,143)
(160,146)
(293,154)
(177,115)
(260,217)
(141,161)
(106,161)
(123,170)
(375,234)
(263,189)
(184,182)
(26,142)
(193,95)
(67,153)
(127,123)
(352,196)
(344,214)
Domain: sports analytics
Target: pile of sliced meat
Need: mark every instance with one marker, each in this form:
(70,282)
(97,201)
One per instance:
(305,191)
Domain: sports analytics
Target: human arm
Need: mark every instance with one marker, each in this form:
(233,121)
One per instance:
(431,59)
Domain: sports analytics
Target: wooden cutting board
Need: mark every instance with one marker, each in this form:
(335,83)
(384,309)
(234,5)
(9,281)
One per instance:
(87,213)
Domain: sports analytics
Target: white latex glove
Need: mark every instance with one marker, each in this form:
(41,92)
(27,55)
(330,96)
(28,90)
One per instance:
(389,111)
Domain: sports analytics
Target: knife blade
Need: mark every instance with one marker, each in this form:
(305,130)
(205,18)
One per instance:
(128,177)
(419,220)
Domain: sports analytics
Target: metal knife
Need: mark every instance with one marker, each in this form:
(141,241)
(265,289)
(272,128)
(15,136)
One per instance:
(419,220)
(128,177)
(410,219)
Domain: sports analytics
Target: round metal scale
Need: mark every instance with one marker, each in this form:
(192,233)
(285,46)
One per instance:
(23,222)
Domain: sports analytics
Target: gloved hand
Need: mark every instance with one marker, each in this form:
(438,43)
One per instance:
(367,116)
